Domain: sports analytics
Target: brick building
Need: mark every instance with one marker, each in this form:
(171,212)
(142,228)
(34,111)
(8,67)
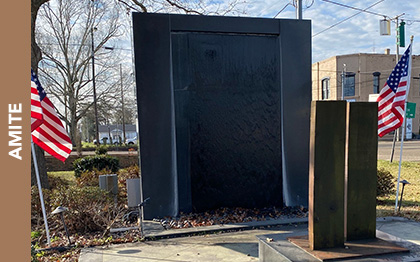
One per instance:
(365,74)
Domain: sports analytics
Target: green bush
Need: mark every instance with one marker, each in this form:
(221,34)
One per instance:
(97,162)
(385,185)
(101,150)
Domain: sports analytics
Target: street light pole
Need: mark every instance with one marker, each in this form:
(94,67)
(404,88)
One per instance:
(94,89)
(397,58)
(122,104)
(343,78)
(299,9)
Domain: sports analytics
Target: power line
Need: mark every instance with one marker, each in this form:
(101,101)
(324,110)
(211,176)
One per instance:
(355,8)
(307,7)
(282,9)
(334,25)
(370,12)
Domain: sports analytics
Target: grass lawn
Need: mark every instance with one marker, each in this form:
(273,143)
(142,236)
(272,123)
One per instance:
(410,208)
(410,171)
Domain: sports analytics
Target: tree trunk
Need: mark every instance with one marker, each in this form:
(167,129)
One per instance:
(73,130)
(42,168)
(35,58)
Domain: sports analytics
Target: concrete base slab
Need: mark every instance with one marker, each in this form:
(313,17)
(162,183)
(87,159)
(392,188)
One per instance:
(277,247)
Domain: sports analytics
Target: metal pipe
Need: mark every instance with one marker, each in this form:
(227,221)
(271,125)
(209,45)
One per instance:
(94,90)
(122,104)
(402,192)
(65,227)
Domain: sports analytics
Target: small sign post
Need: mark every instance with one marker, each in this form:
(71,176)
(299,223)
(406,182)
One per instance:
(411,110)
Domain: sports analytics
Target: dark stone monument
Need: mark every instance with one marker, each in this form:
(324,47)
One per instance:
(223,109)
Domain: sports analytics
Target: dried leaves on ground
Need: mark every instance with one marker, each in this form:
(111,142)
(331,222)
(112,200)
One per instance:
(227,215)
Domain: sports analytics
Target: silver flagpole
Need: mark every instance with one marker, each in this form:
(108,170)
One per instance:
(403,129)
(41,198)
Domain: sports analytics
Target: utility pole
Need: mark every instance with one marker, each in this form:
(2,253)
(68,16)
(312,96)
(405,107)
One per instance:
(299,9)
(397,58)
(122,103)
(343,77)
(94,88)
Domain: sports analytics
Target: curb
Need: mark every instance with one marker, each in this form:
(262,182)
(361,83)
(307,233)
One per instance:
(392,219)
(173,233)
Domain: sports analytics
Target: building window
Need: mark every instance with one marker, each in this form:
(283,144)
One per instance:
(325,88)
(349,83)
(376,76)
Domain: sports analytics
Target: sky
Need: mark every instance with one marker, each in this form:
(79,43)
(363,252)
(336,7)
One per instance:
(351,31)
(359,34)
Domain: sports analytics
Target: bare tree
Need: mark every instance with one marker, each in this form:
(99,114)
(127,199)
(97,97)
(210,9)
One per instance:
(35,58)
(68,31)
(65,36)
(199,7)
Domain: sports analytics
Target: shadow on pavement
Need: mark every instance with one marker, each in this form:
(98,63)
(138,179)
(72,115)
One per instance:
(249,249)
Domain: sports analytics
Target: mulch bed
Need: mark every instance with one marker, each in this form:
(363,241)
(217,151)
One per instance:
(226,215)
(218,216)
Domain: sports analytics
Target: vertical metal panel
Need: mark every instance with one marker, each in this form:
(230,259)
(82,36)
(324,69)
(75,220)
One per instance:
(154,98)
(295,48)
(227,98)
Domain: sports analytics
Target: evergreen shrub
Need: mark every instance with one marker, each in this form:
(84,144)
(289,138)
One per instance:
(385,185)
(97,162)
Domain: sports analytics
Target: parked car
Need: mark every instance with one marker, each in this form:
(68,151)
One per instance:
(101,141)
(132,141)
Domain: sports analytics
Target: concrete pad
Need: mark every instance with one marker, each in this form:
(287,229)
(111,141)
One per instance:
(395,230)
(276,247)
(400,227)
(237,246)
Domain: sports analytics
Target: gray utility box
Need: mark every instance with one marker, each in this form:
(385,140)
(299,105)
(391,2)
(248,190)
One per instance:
(109,183)
(133,192)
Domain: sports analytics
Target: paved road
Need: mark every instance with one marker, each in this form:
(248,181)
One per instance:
(411,150)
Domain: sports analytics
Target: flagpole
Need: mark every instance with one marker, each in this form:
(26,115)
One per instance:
(41,198)
(403,129)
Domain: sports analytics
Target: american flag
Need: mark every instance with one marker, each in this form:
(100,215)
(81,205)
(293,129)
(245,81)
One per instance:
(47,130)
(391,100)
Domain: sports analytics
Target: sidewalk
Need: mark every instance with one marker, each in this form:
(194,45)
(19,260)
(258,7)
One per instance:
(212,245)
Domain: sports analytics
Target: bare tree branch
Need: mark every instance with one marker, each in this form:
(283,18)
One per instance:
(183,8)
(142,7)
